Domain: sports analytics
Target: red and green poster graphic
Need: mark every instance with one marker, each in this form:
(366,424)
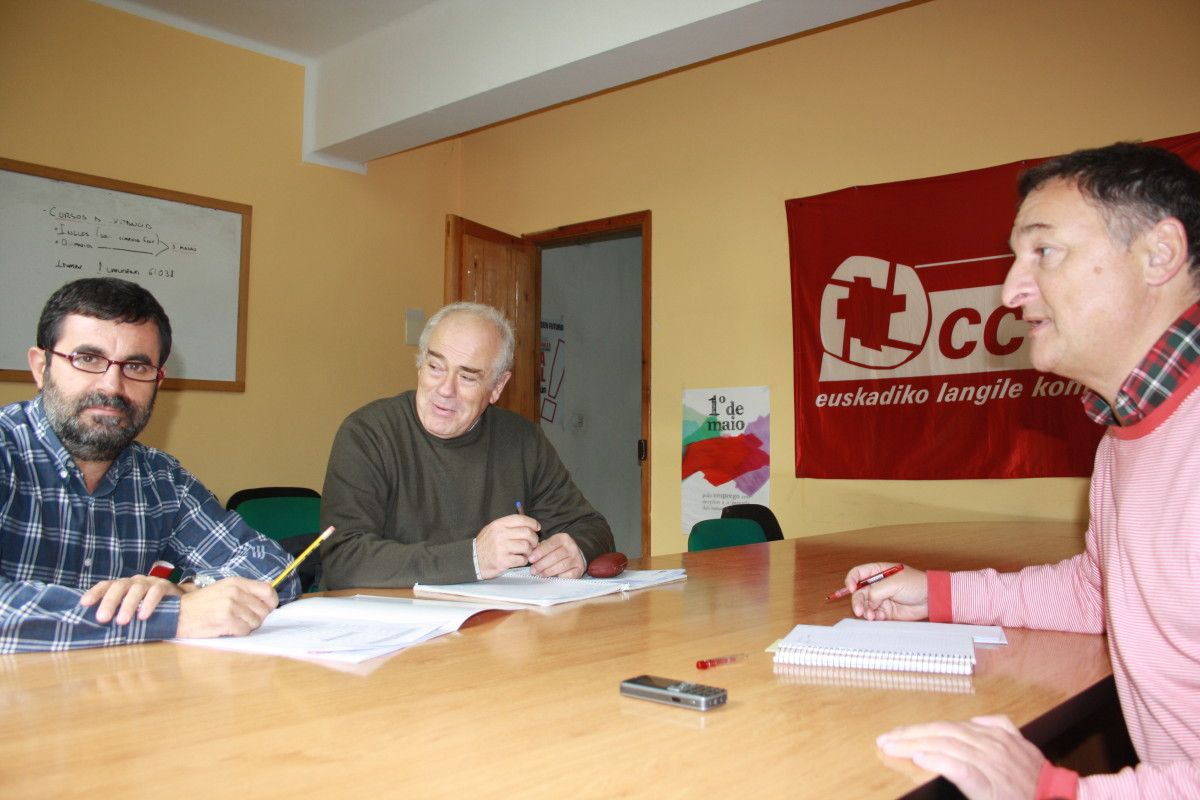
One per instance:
(726,450)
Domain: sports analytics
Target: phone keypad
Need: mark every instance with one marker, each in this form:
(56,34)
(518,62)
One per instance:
(700,690)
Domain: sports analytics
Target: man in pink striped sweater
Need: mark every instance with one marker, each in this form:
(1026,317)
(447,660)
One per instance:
(1107,274)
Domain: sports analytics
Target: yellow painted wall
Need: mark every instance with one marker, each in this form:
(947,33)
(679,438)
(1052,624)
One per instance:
(715,151)
(335,258)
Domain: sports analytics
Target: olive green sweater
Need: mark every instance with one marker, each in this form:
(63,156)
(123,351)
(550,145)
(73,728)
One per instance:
(407,504)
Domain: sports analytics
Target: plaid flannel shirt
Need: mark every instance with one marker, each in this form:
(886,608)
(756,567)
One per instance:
(1153,380)
(57,540)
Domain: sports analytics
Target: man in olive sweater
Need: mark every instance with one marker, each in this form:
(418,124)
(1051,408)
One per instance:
(436,486)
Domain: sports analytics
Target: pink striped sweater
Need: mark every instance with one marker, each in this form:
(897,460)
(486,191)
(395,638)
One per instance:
(1138,580)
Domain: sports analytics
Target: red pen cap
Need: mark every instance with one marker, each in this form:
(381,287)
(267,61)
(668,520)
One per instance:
(161,569)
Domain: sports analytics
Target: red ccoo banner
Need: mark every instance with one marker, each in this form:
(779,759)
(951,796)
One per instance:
(907,363)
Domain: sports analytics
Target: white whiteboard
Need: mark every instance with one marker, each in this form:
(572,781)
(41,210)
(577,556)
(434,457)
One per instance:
(190,252)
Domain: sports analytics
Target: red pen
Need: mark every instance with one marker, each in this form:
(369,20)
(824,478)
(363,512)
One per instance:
(706,663)
(161,569)
(876,578)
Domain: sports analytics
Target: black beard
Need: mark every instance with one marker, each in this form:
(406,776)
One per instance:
(105,437)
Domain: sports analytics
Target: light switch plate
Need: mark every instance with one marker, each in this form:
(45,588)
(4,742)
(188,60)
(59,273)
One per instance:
(414,321)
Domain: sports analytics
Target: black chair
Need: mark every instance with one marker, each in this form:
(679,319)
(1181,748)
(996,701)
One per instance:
(291,515)
(760,514)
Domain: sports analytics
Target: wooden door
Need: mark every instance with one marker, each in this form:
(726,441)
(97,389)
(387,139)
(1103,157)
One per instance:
(485,265)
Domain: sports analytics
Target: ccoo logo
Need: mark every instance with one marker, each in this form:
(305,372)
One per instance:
(878,317)
(874,313)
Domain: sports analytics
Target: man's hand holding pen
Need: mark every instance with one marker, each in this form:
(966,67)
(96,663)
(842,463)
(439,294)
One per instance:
(505,543)
(229,607)
(904,595)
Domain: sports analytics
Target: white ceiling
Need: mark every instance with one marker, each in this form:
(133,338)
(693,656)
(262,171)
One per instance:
(294,30)
(382,76)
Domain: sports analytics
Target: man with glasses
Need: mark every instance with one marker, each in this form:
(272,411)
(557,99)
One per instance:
(437,486)
(86,511)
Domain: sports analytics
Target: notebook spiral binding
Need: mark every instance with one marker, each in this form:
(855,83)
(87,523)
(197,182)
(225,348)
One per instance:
(817,656)
(874,679)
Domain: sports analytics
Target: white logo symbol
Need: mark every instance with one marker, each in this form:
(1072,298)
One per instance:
(874,314)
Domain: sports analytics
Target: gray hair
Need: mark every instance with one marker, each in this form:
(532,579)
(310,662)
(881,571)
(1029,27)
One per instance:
(492,316)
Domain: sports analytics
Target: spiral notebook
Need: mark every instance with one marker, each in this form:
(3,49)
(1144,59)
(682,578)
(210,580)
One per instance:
(928,650)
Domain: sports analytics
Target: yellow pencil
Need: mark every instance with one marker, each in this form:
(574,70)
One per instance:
(296,561)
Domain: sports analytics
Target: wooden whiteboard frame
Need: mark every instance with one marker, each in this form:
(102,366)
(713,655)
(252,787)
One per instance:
(238,384)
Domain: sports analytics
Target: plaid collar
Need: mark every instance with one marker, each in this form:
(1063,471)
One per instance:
(1153,380)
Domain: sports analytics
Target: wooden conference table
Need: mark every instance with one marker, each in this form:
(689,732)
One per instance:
(525,704)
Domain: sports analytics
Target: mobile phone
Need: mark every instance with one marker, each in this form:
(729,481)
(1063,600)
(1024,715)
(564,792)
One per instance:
(674,692)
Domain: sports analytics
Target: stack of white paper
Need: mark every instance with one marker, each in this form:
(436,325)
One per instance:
(522,586)
(347,629)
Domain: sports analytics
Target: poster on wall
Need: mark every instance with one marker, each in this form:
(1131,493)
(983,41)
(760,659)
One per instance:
(726,450)
(552,354)
(907,363)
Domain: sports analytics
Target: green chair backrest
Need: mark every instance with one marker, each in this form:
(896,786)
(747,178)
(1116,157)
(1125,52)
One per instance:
(708,534)
(280,517)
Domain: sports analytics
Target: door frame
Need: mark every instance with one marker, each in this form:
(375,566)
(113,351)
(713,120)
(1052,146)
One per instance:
(597,230)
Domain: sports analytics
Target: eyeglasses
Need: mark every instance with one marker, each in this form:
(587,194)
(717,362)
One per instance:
(98,365)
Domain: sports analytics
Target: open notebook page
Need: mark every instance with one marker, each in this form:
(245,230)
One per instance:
(522,586)
(346,628)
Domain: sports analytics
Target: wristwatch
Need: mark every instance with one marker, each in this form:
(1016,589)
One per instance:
(203,581)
